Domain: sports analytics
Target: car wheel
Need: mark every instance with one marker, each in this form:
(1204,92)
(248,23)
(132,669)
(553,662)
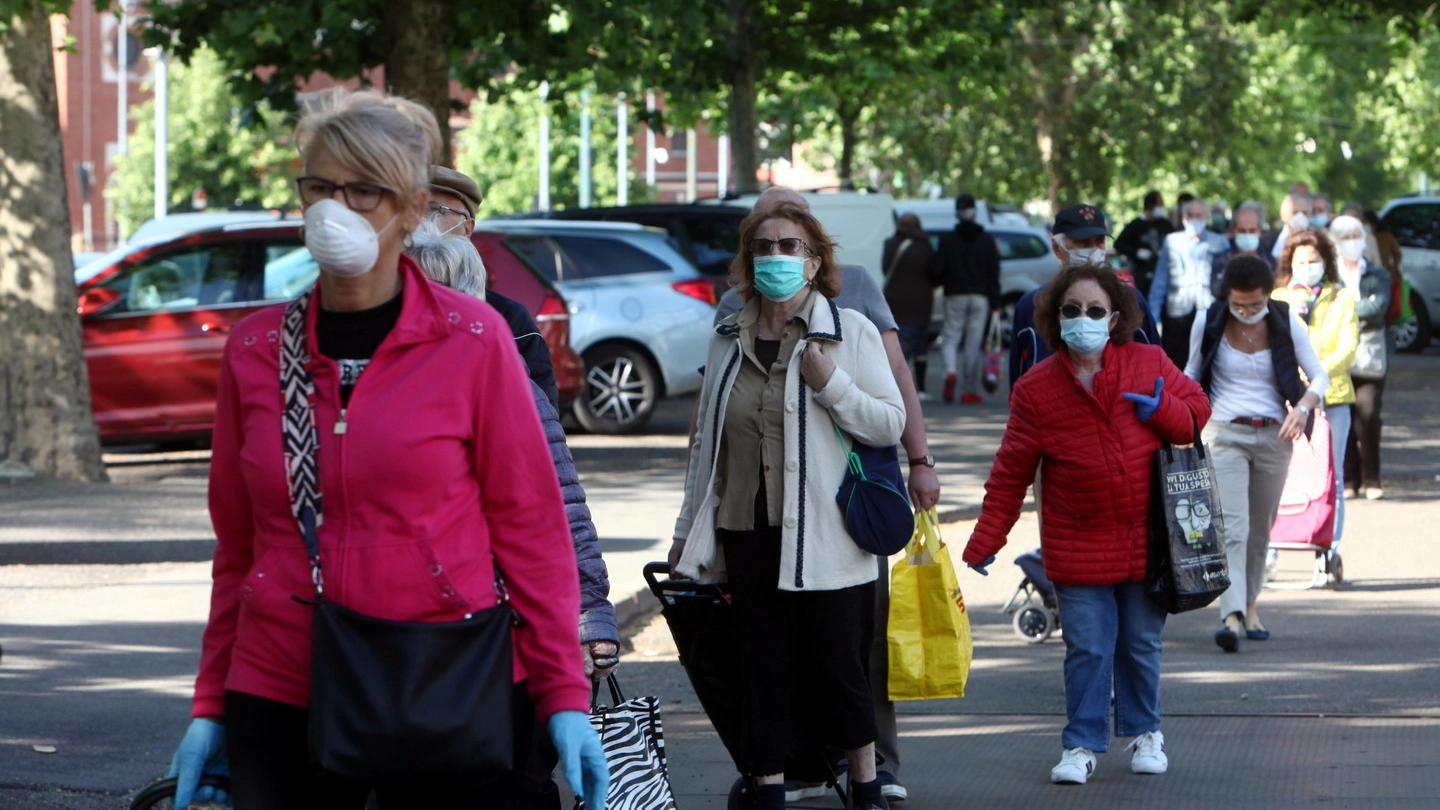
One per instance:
(621,388)
(1412,335)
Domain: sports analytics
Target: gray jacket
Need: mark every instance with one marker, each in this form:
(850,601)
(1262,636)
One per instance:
(597,615)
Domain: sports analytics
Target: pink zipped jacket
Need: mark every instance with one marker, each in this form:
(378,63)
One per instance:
(437,463)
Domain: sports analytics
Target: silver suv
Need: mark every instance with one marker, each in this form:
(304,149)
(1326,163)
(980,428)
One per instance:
(1415,224)
(640,312)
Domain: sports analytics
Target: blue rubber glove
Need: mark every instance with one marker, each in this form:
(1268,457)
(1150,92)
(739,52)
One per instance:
(1145,407)
(581,756)
(201,752)
(980,569)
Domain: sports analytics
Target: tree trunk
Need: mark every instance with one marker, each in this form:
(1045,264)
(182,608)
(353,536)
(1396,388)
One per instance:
(1051,68)
(417,59)
(744,127)
(45,417)
(849,117)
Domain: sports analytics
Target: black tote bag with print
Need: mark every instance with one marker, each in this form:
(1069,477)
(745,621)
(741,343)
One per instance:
(1187,568)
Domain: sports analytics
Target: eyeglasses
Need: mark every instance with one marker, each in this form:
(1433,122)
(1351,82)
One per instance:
(1095,312)
(788,247)
(435,210)
(359,196)
(1249,309)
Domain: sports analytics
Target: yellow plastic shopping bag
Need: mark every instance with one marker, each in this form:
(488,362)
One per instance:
(929,628)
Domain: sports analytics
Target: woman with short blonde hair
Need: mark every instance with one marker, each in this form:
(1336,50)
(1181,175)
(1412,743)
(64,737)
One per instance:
(436,477)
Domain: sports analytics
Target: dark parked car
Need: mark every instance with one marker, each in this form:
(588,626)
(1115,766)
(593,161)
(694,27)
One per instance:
(155,315)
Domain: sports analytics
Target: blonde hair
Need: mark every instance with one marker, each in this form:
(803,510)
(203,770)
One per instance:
(386,139)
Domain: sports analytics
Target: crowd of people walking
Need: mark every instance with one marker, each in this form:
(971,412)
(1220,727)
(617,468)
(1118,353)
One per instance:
(423,404)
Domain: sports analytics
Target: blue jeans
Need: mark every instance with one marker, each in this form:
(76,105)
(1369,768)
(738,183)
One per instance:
(1339,434)
(1112,634)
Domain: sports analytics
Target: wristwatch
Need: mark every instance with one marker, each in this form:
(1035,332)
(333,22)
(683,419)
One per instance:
(928,460)
(1305,409)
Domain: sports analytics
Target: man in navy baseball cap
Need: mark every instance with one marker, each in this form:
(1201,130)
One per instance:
(1078,236)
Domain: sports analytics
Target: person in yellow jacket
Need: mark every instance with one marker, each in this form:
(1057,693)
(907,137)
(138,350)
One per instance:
(1307,277)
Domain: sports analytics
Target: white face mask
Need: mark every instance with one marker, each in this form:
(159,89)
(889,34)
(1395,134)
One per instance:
(1079,255)
(341,241)
(1247,242)
(1159,212)
(1195,226)
(967,214)
(1249,320)
(1299,222)
(1307,273)
(1352,249)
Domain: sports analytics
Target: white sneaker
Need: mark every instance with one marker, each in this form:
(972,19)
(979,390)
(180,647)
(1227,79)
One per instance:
(1076,765)
(1149,754)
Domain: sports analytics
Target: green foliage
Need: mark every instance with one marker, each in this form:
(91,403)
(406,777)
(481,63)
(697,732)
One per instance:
(208,148)
(500,151)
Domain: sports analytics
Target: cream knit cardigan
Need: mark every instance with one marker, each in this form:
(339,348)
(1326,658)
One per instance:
(816,552)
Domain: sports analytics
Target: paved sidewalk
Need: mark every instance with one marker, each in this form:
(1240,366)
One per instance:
(104,588)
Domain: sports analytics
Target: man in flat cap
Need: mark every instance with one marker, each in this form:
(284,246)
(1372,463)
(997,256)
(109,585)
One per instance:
(454,199)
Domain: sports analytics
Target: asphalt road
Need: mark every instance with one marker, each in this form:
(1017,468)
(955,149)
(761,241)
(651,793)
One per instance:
(104,590)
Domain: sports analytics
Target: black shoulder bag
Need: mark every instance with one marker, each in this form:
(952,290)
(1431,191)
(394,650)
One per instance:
(391,699)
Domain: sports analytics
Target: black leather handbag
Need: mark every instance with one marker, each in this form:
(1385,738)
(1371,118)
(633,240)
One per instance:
(392,700)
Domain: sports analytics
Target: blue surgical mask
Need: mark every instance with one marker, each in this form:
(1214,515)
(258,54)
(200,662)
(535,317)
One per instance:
(1319,220)
(1085,335)
(1247,242)
(778,278)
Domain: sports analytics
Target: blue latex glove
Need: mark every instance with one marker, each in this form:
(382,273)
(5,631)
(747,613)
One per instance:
(980,569)
(581,756)
(201,752)
(1145,407)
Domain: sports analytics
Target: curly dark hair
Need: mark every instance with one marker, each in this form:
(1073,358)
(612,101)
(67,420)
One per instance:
(1317,239)
(822,247)
(1246,273)
(1123,302)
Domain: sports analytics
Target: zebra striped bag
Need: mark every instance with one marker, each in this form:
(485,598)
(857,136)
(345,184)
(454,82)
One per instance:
(635,750)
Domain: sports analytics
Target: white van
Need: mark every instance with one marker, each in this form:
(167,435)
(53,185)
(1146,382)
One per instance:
(858,222)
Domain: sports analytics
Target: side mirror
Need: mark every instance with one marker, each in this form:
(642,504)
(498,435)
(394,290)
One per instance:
(96,300)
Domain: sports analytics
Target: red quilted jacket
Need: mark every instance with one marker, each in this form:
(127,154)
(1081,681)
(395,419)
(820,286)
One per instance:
(1098,462)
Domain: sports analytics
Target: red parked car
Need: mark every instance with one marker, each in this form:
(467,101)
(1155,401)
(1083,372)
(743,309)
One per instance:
(155,315)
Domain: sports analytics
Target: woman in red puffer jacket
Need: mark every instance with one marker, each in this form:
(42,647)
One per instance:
(1095,414)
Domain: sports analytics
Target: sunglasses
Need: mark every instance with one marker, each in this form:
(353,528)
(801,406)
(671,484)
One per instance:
(1094,312)
(788,247)
(359,196)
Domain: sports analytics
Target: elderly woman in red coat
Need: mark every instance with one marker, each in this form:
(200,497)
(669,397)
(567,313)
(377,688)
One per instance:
(1094,414)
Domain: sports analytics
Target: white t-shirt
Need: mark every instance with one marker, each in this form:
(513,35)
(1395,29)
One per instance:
(1243,383)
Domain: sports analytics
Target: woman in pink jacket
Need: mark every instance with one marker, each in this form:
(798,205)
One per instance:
(1094,414)
(433,468)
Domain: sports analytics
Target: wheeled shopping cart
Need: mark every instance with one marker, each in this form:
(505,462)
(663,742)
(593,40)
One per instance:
(1034,603)
(701,621)
(1306,520)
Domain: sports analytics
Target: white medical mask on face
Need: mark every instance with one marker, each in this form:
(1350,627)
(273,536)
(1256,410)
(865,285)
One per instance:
(1247,242)
(1086,335)
(341,241)
(1159,212)
(1195,226)
(1352,249)
(967,214)
(1307,273)
(1079,255)
(1299,222)
(1250,320)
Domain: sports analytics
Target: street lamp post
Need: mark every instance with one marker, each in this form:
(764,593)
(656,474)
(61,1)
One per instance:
(162,132)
